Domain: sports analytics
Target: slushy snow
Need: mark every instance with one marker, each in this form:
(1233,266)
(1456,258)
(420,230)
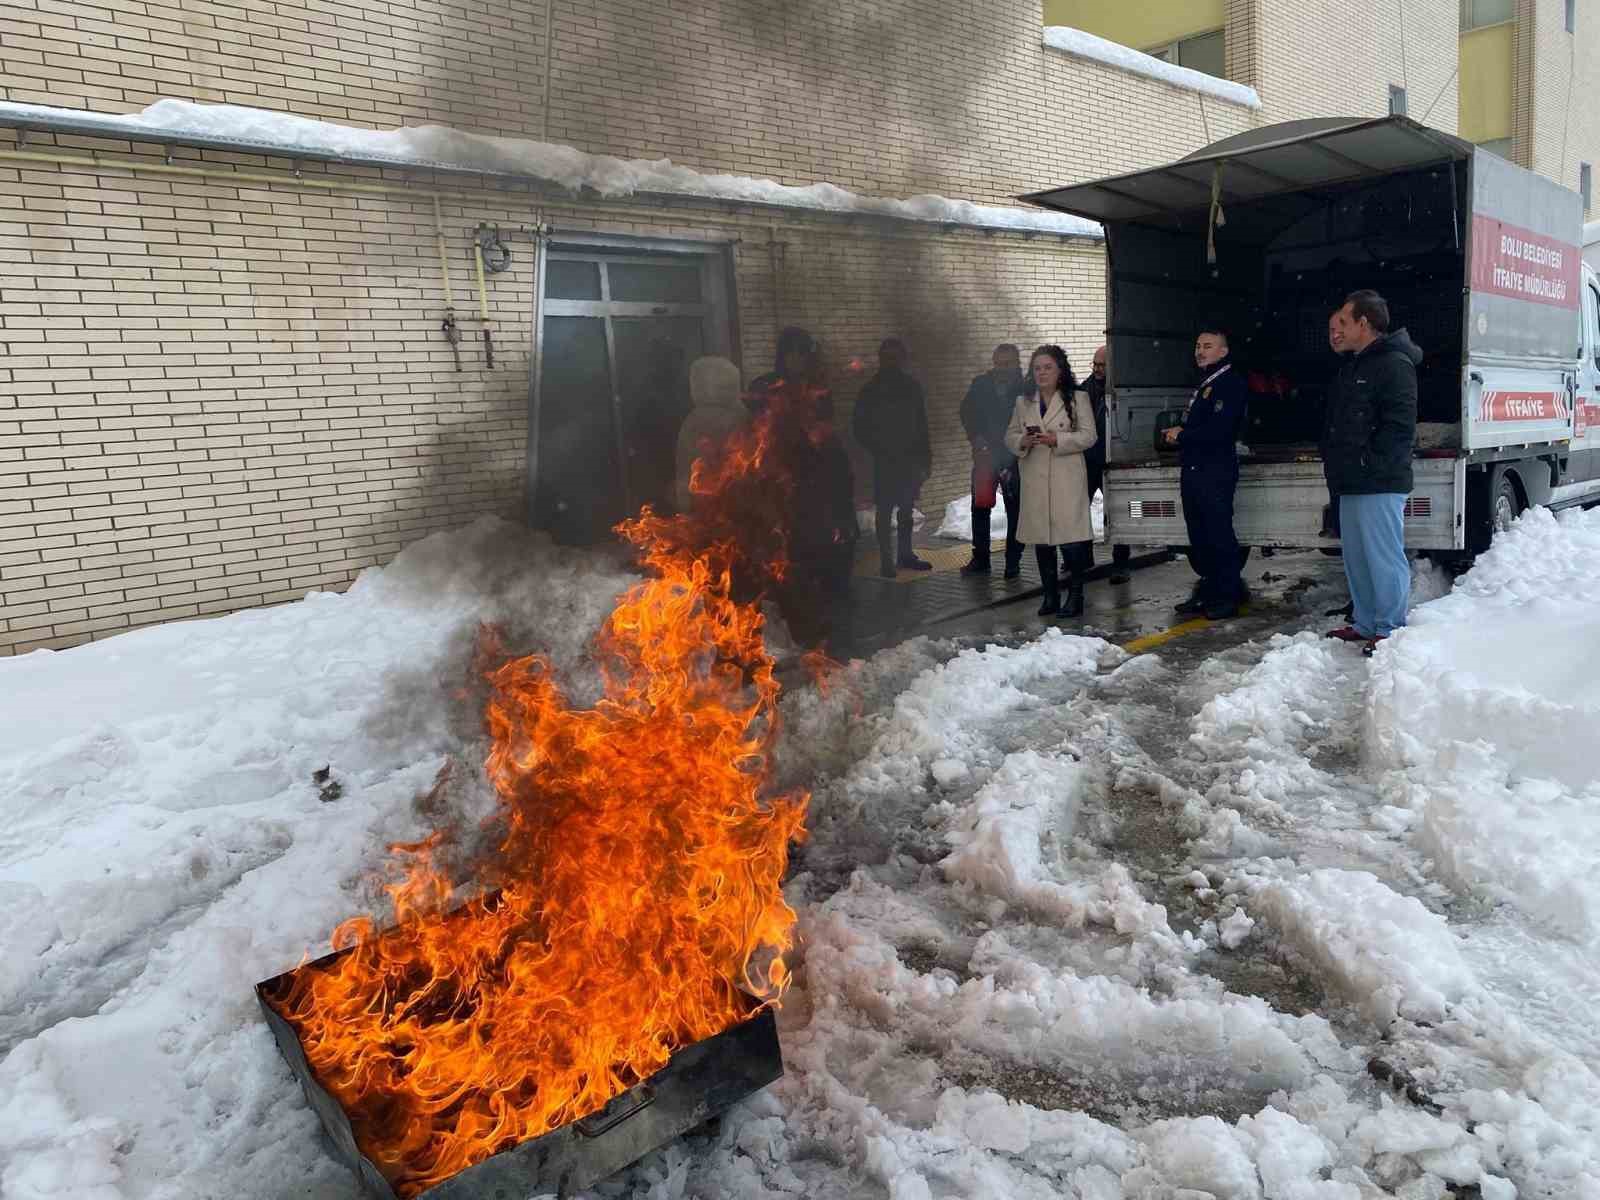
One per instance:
(995,994)
(443,148)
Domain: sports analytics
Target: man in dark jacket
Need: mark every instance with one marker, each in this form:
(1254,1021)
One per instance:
(1209,475)
(815,597)
(985,413)
(1367,443)
(795,365)
(1095,460)
(891,424)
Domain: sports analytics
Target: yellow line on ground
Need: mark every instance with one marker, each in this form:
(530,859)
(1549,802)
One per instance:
(1151,640)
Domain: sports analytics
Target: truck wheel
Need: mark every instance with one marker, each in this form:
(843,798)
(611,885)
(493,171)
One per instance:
(1508,505)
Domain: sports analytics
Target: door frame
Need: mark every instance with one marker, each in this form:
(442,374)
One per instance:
(718,277)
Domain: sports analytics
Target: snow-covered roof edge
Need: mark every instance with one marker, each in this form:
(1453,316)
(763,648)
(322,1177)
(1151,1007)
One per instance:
(438,147)
(1113,54)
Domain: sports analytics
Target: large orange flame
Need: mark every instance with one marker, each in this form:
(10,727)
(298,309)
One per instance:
(639,907)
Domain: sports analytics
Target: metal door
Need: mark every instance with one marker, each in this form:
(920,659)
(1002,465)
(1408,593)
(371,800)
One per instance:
(619,325)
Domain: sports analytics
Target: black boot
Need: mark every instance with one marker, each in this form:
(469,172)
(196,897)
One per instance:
(976,565)
(1072,606)
(1013,567)
(1045,556)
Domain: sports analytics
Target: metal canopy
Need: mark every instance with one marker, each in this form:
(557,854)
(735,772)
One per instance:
(1257,166)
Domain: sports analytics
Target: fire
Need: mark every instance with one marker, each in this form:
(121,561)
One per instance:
(637,906)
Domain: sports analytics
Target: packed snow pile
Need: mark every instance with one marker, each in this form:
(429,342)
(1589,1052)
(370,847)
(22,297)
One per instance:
(169,846)
(1385,952)
(993,993)
(1484,707)
(1114,54)
(443,148)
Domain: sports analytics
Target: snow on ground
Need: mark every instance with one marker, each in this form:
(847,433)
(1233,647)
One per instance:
(1073,923)
(1484,708)
(1114,54)
(438,146)
(957,523)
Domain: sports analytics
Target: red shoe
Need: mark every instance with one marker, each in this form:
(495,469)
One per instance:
(1346,633)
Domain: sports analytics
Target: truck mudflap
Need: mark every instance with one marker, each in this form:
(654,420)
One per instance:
(1280,505)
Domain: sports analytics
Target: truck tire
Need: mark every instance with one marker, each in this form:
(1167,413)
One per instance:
(1494,500)
(1506,505)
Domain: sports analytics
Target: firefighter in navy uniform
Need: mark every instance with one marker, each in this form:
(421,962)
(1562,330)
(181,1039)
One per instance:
(1210,472)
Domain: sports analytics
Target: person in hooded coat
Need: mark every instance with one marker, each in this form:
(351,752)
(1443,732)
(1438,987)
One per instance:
(716,413)
(1367,444)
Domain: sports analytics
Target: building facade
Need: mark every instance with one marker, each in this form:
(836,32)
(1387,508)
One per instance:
(225,380)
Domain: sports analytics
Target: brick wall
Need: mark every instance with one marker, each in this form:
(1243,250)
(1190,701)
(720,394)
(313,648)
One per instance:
(220,394)
(1561,121)
(1320,58)
(217,396)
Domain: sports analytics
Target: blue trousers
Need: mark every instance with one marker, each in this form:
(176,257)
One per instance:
(1372,529)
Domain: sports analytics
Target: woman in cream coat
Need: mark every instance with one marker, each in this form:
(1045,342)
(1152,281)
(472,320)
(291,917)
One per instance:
(1049,433)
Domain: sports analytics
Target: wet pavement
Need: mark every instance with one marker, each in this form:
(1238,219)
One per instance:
(945,603)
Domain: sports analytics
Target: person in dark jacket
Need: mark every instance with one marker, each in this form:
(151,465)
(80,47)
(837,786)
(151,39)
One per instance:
(815,597)
(985,413)
(891,424)
(1095,460)
(1330,515)
(1095,385)
(1209,475)
(1370,432)
(796,365)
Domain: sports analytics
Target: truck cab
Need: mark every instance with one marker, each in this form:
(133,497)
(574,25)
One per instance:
(1265,233)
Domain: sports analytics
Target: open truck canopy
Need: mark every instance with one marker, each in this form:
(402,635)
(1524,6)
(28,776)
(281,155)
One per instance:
(1481,258)
(1274,165)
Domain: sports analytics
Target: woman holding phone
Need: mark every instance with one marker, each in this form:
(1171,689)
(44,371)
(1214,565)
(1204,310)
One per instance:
(1050,432)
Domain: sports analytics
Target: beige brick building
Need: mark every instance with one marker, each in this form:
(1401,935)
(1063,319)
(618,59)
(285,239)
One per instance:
(224,380)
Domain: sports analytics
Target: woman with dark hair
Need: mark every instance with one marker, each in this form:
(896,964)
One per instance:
(1050,432)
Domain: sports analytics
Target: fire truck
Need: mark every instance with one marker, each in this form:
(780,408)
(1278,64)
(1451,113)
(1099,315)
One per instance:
(1266,233)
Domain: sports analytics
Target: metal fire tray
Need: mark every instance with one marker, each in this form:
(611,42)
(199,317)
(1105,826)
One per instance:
(700,1082)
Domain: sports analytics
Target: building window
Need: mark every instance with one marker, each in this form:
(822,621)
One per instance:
(1475,14)
(1572,16)
(1585,185)
(1499,146)
(1397,100)
(1202,52)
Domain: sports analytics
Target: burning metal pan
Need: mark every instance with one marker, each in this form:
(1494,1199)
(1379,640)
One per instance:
(700,1082)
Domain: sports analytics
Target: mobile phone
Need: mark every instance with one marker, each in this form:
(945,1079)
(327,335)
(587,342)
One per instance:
(1032,429)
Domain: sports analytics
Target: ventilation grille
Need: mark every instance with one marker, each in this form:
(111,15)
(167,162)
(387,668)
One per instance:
(1139,510)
